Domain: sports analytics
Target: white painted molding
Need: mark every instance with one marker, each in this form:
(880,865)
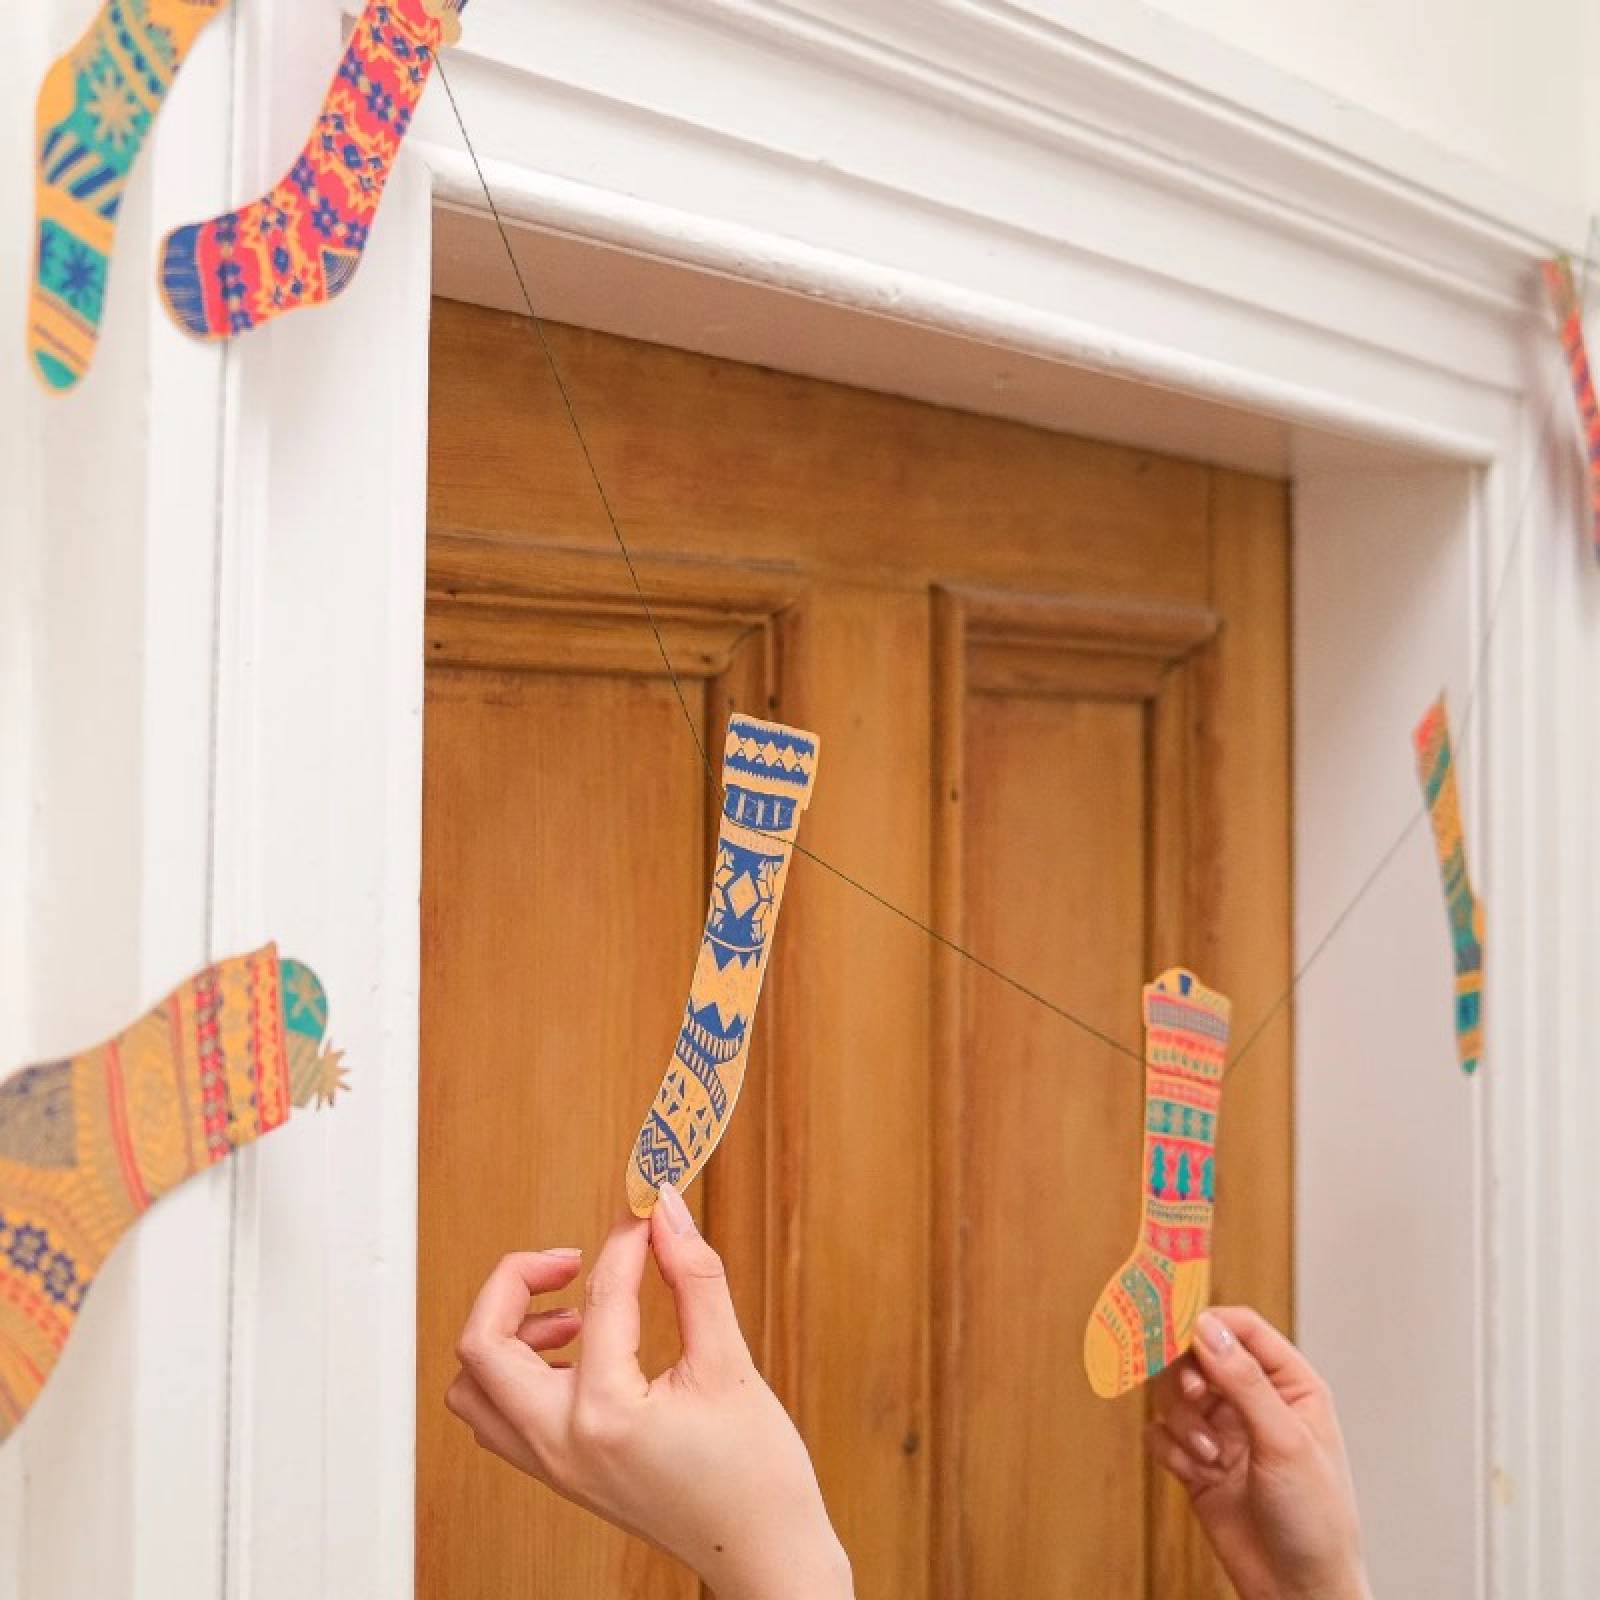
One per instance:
(857,284)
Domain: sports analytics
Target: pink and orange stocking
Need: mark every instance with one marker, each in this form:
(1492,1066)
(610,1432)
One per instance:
(301,244)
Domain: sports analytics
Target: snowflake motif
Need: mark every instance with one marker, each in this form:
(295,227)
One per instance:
(324,218)
(228,229)
(81,281)
(303,176)
(118,121)
(350,70)
(380,102)
(355,234)
(27,1248)
(240,322)
(60,1278)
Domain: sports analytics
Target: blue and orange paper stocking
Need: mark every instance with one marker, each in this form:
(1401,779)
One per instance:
(767,774)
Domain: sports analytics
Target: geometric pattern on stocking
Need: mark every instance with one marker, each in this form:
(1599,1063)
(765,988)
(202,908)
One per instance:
(300,244)
(767,775)
(1436,769)
(95,110)
(1145,1316)
(89,1144)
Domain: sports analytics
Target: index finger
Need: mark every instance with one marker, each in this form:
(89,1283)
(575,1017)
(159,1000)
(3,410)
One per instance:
(504,1367)
(610,1357)
(1282,1361)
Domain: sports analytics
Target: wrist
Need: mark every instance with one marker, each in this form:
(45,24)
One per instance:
(817,1570)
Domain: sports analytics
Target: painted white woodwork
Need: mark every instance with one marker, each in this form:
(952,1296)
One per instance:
(1083,215)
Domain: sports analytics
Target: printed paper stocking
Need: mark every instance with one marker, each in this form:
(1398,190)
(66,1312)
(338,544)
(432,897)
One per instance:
(87,1145)
(95,108)
(1569,309)
(1146,1314)
(1437,769)
(300,244)
(767,774)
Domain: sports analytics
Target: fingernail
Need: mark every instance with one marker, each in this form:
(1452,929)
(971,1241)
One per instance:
(1218,1339)
(679,1217)
(568,1252)
(564,1313)
(1192,1384)
(1204,1445)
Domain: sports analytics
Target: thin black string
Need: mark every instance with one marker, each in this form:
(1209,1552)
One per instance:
(988,967)
(712,779)
(1491,622)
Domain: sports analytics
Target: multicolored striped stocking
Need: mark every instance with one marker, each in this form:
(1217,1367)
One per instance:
(1436,769)
(300,245)
(87,1145)
(95,109)
(1146,1314)
(767,774)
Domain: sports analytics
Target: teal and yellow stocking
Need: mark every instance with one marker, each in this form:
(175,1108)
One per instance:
(94,111)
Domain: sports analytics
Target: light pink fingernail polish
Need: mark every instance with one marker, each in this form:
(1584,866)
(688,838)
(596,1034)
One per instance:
(1218,1336)
(567,1252)
(1204,1446)
(679,1218)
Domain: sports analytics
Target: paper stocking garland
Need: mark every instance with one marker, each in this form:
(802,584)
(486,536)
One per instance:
(1569,310)
(767,775)
(300,244)
(1437,771)
(87,1145)
(1145,1316)
(96,107)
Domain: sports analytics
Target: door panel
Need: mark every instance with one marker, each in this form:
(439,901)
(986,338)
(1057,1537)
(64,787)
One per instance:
(1051,683)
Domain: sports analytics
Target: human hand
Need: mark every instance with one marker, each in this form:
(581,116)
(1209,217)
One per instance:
(1250,1431)
(702,1462)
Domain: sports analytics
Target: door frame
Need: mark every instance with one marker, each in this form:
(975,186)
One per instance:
(1249,272)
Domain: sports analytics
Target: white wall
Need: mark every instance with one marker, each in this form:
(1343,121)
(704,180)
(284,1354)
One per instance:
(1508,84)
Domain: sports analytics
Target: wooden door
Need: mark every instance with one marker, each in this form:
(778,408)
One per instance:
(1050,678)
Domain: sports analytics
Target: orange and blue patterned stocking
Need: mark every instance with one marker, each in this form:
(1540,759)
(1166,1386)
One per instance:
(95,109)
(1146,1314)
(767,774)
(87,1145)
(300,245)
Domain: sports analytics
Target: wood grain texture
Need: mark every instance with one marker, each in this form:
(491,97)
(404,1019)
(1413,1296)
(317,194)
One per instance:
(1055,859)
(1050,679)
(752,467)
(852,1031)
(562,847)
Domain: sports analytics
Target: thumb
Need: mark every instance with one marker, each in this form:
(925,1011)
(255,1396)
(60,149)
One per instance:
(692,1270)
(1234,1372)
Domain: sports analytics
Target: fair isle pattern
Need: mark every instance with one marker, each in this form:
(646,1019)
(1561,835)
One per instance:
(87,1145)
(1569,311)
(1145,1316)
(95,109)
(300,244)
(1437,771)
(767,776)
